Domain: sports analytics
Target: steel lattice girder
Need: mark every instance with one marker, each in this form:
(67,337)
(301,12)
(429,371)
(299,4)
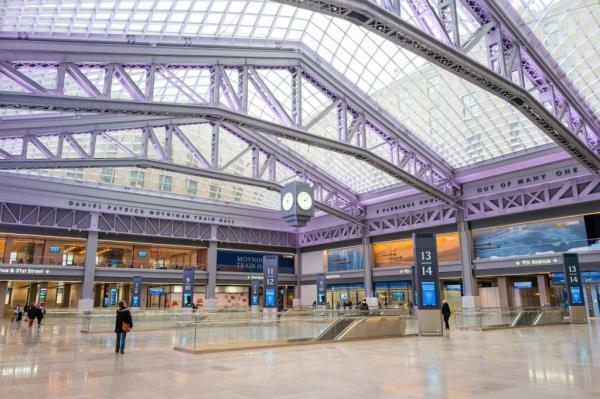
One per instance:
(329,190)
(568,122)
(405,150)
(160,165)
(215,114)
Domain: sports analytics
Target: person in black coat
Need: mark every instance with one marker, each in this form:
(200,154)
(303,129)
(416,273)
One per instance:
(446,313)
(39,314)
(31,314)
(123,317)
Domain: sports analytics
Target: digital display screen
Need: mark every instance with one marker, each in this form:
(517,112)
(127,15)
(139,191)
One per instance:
(522,284)
(54,249)
(254,300)
(142,254)
(156,291)
(113,296)
(428,293)
(270,297)
(135,302)
(398,296)
(576,296)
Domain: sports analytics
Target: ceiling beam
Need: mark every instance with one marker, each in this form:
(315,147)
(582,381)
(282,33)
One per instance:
(216,114)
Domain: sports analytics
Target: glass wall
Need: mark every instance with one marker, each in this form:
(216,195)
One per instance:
(542,237)
(400,253)
(71,252)
(394,294)
(343,259)
(349,294)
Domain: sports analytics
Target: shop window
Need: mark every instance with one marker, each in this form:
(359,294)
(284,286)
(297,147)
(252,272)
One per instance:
(165,183)
(191,187)
(137,178)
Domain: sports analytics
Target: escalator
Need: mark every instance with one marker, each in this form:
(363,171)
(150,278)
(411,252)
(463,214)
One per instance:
(336,328)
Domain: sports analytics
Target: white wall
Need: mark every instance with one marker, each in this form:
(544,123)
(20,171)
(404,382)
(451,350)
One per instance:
(308,294)
(312,262)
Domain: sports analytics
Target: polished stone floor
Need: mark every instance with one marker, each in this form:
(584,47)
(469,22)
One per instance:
(544,362)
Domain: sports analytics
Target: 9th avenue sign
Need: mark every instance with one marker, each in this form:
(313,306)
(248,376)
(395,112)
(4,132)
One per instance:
(23,271)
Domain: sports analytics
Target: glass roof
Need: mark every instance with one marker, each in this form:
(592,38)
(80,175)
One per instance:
(570,31)
(459,121)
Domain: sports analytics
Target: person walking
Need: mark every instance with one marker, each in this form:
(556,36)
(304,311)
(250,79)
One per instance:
(446,313)
(16,311)
(123,324)
(19,317)
(39,314)
(31,314)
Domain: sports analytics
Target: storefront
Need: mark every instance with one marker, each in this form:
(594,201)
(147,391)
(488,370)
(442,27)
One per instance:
(591,288)
(170,296)
(345,293)
(394,294)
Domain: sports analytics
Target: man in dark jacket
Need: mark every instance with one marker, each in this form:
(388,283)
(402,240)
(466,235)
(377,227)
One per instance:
(446,313)
(31,314)
(39,314)
(123,318)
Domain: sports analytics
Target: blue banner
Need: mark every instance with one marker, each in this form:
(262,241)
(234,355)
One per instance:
(321,289)
(136,292)
(270,280)
(188,288)
(113,296)
(254,299)
(251,262)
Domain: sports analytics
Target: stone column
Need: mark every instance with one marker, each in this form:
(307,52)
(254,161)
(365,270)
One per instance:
(542,282)
(66,296)
(32,294)
(503,294)
(367,264)
(7,249)
(470,297)
(86,300)
(298,271)
(3,291)
(211,268)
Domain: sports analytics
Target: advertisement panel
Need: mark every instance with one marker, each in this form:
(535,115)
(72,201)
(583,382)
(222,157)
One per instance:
(188,288)
(341,259)
(548,236)
(400,252)
(136,292)
(251,262)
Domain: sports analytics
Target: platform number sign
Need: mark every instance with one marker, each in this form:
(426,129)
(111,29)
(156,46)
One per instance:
(188,288)
(136,292)
(573,279)
(270,280)
(321,289)
(426,271)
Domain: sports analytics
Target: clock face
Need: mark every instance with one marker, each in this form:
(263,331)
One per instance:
(304,200)
(287,201)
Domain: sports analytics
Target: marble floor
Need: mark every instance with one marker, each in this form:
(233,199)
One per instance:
(544,362)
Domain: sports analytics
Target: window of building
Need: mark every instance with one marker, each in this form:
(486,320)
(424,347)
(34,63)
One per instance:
(191,187)
(237,194)
(403,98)
(165,183)
(107,175)
(137,144)
(514,134)
(137,178)
(214,191)
(75,173)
